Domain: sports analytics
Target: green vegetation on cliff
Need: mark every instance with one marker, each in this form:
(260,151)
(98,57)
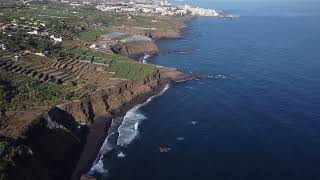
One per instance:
(45,61)
(44,81)
(91,34)
(124,67)
(30,93)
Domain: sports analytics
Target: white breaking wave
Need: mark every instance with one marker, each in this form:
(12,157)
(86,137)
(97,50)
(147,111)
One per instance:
(194,122)
(136,126)
(107,146)
(129,129)
(98,167)
(121,134)
(121,155)
(164,90)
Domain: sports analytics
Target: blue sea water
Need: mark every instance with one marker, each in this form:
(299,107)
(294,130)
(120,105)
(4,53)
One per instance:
(260,122)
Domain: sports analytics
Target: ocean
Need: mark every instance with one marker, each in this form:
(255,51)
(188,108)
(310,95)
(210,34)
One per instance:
(255,114)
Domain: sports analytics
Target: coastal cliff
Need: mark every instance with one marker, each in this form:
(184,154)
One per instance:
(108,102)
(65,139)
(67,99)
(136,49)
(167,33)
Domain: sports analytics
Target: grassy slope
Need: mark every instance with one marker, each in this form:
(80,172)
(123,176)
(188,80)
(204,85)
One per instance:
(56,15)
(124,67)
(91,35)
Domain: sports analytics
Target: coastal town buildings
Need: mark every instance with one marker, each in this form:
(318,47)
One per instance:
(161,8)
(153,7)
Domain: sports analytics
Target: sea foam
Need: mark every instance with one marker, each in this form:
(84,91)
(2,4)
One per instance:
(121,134)
(98,168)
(108,145)
(129,129)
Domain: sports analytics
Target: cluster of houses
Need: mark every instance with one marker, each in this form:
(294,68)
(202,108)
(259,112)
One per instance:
(162,8)
(74,3)
(31,27)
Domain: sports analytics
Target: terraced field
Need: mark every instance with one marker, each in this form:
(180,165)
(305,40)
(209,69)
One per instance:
(54,70)
(70,74)
(30,83)
(122,67)
(51,81)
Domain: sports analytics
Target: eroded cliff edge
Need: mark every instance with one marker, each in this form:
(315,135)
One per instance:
(51,142)
(51,147)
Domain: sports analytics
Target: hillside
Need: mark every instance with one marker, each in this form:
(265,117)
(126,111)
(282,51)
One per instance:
(62,68)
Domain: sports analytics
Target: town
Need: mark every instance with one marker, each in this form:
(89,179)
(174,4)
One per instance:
(162,8)
(146,7)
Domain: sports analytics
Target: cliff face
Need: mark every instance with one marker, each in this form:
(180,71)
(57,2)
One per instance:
(51,146)
(108,102)
(48,149)
(117,103)
(135,49)
(166,34)
(63,142)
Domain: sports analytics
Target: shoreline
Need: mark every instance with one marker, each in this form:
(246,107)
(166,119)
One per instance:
(154,50)
(62,140)
(99,129)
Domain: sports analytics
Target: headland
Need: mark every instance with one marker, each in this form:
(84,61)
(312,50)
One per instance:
(66,70)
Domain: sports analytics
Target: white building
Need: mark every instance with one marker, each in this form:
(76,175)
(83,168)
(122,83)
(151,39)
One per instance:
(35,32)
(56,40)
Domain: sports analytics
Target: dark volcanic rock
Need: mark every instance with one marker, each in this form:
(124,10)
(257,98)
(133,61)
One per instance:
(173,74)
(49,149)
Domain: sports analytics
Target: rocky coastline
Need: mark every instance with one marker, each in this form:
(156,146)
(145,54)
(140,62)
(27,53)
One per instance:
(100,128)
(63,141)
(137,50)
